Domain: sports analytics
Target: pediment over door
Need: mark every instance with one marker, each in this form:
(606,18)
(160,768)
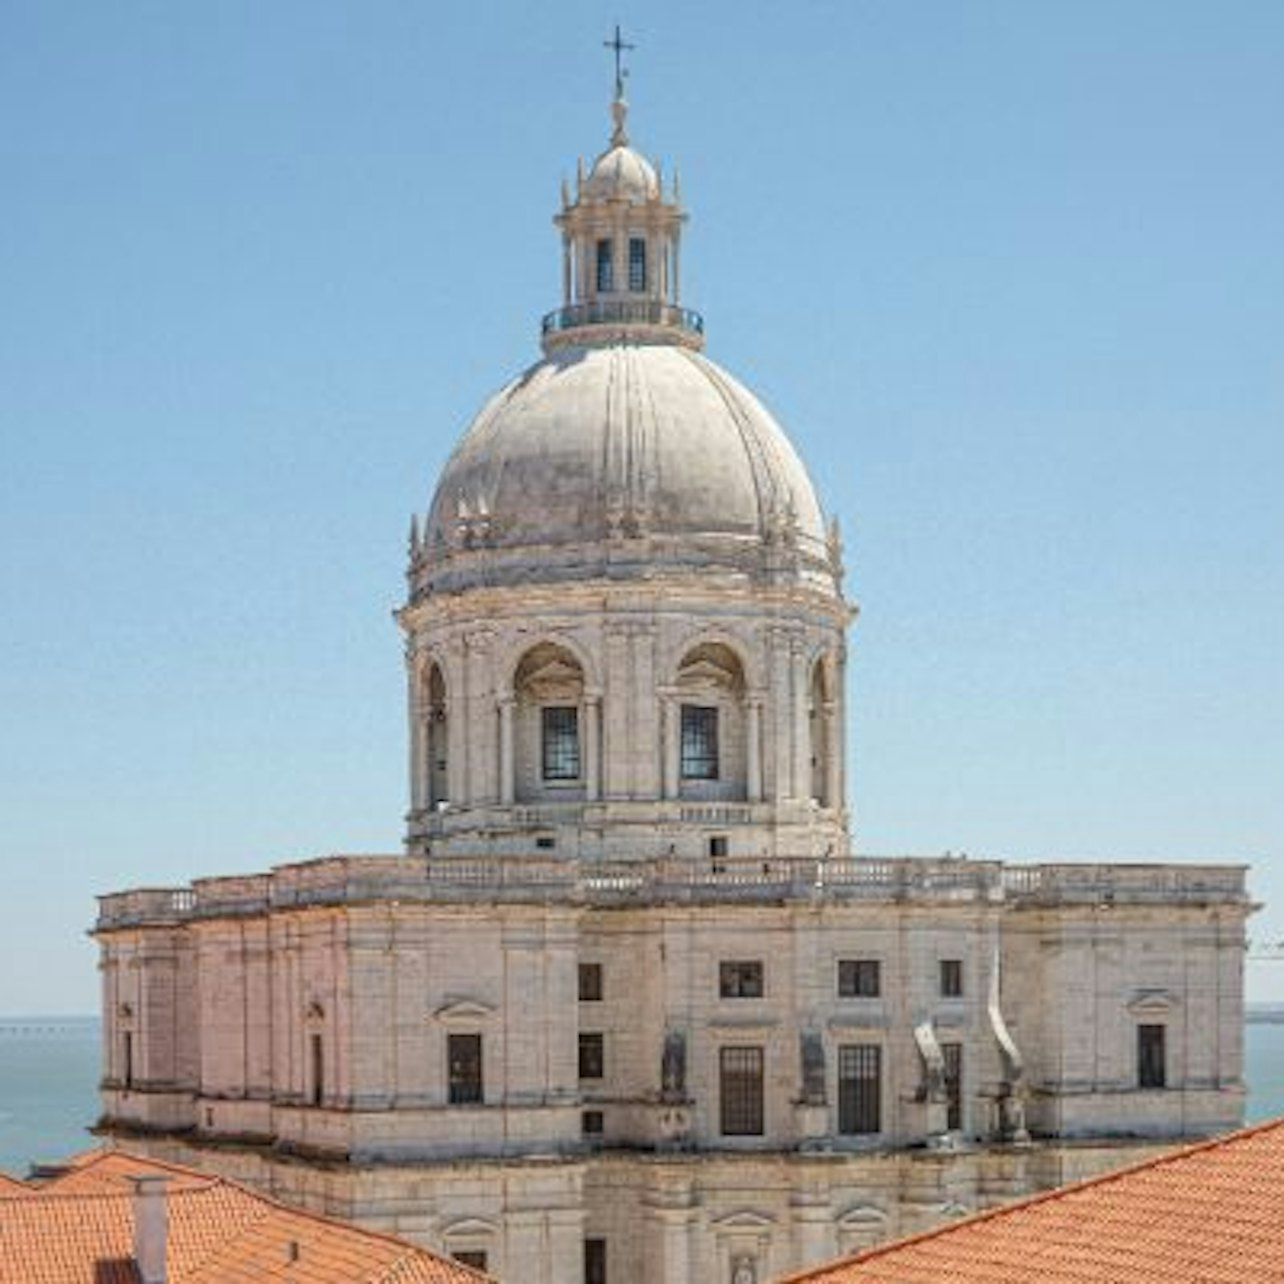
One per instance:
(745,1219)
(1156,1002)
(463,1012)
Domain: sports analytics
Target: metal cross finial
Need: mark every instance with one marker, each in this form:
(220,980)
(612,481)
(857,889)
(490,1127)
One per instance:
(619,45)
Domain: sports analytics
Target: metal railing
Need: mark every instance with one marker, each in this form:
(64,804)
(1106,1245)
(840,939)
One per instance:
(622,312)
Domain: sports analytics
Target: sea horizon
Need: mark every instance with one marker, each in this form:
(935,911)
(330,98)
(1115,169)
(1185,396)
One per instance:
(49,1072)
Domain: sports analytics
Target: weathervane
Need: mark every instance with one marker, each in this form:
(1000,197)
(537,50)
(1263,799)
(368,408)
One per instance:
(619,45)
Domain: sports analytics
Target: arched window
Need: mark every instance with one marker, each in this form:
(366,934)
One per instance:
(548,687)
(437,739)
(820,712)
(711,745)
(605,266)
(637,265)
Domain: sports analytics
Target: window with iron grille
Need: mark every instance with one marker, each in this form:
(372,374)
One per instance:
(699,742)
(1152,1072)
(951,978)
(592,1123)
(464,1065)
(590,982)
(595,1261)
(953,1055)
(860,1083)
(637,264)
(859,978)
(561,742)
(605,267)
(592,1056)
(740,1085)
(740,979)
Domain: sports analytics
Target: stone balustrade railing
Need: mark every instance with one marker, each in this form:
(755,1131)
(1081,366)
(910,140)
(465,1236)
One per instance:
(1125,883)
(350,880)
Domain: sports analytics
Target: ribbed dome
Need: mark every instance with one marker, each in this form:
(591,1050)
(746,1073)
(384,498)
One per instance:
(649,446)
(622,174)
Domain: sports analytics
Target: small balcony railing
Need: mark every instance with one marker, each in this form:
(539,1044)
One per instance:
(622,312)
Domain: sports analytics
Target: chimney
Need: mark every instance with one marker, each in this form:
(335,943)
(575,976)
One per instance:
(151,1229)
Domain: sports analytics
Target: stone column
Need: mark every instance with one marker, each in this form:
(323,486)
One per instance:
(566,271)
(754,749)
(525,1252)
(457,724)
(507,794)
(842,726)
(672,1214)
(802,729)
(779,778)
(833,755)
(671,745)
(617,735)
(418,748)
(645,736)
(592,746)
(813,1223)
(480,764)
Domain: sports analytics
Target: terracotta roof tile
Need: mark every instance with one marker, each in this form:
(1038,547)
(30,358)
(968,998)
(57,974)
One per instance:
(1204,1214)
(78,1229)
(115,1170)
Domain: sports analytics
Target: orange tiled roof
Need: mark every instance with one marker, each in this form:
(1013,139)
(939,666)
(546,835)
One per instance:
(113,1171)
(78,1229)
(1204,1214)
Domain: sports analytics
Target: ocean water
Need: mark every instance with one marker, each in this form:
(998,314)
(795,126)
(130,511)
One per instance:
(49,1077)
(48,1089)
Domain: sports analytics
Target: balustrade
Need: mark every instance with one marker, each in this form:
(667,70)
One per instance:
(362,879)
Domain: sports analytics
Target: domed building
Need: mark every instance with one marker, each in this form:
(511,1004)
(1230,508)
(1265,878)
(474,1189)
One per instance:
(628,1007)
(626,622)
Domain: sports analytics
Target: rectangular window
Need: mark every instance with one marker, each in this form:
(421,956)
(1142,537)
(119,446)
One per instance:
(860,1084)
(1151,1069)
(637,264)
(699,742)
(471,1257)
(953,1054)
(590,982)
(741,1092)
(592,1123)
(561,742)
(592,1056)
(605,267)
(740,979)
(595,1261)
(318,1069)
(859,979)
(464,1062)
(951,978)
(127,1059)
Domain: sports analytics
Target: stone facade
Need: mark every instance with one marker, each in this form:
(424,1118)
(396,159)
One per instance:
(628,1007)
(295,1029)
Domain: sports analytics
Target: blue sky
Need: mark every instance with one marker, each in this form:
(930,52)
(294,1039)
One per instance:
(1010,273)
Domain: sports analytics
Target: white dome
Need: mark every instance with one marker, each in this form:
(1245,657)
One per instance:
(628,446)
(622,174)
